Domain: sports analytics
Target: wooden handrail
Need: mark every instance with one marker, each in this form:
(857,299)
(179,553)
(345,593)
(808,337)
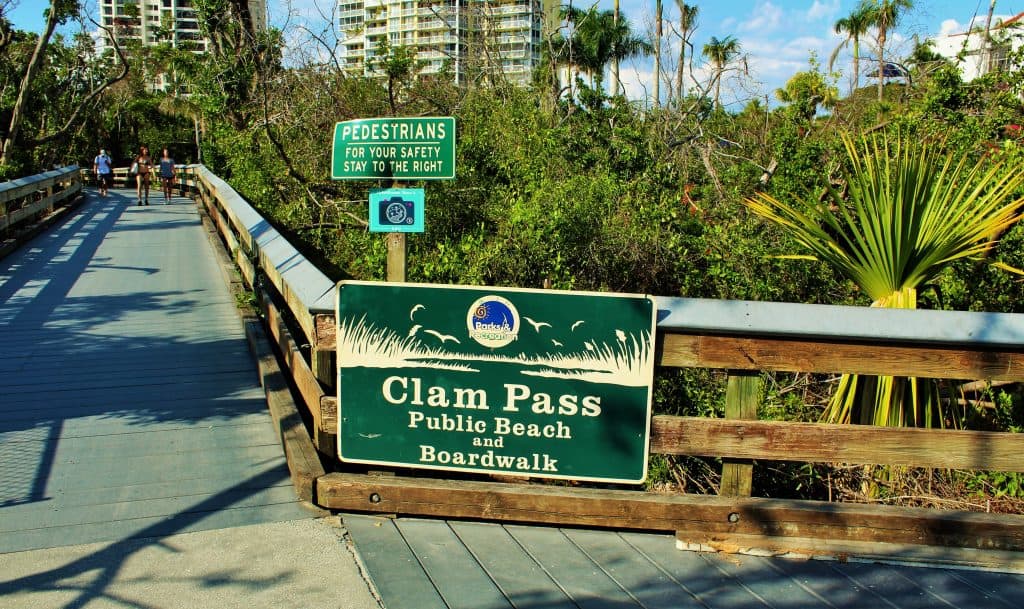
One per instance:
(24,198)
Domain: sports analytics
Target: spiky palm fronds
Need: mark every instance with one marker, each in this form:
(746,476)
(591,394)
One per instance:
(912,209)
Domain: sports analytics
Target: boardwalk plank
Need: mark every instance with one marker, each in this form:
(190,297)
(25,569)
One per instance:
(1005,588)
(955,591)
(396,573)
(458,577)
(891,584)
(583,580)
(631,570)
(523,582)
(827,581)
(691,570)
(769,584)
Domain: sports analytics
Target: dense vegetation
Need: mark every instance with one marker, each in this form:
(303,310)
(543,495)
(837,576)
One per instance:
(575,186)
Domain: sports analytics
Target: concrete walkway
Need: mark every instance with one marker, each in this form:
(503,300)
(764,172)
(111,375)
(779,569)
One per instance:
(301,563)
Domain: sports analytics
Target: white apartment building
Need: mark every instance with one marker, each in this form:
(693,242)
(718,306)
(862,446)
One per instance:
(976,56)
(460,35)
(155,21)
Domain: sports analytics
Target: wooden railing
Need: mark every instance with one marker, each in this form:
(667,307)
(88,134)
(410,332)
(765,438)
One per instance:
(744,338)
(24,199)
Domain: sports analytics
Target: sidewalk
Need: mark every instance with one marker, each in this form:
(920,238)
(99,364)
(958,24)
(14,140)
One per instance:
(293,564)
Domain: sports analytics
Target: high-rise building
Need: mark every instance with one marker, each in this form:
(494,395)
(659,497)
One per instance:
(461,36)
(156,21)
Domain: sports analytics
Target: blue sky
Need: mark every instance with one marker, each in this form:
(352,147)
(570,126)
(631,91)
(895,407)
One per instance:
(777,36)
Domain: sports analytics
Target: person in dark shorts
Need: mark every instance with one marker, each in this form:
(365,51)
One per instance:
(103,168)
(142,167)
(167,174)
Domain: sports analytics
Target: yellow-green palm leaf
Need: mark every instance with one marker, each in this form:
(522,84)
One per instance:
(911,208)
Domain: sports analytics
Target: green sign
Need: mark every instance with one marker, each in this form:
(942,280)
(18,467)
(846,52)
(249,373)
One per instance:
(539,383)
(394,148)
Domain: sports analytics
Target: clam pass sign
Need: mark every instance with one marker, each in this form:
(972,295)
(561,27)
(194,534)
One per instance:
(532,382)
(397,148)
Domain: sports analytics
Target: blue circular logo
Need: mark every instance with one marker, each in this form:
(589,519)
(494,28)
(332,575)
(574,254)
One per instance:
(493,321)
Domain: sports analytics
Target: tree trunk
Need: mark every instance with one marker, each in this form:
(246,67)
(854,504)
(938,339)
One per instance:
(18,112)
(856,63)
(679,68)
(616,83)
(881,62)
(987,66)
(657,54)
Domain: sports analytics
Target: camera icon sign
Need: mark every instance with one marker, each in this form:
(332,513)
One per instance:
(397,210)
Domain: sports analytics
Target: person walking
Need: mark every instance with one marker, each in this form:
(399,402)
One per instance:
(102,168)
(142,168)
(167,174)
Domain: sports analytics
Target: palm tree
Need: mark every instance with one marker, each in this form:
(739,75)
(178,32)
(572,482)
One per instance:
(720,53)
(911,210)
(884,15)
(687,23)
(854,25)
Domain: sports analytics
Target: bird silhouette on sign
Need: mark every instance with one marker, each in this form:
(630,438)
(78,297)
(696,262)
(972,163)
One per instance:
(575,325)
(537,325)
(443,337)
(414,309)
(556,343)
(414,330)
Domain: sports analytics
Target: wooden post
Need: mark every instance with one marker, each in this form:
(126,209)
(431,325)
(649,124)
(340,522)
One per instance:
(741,398)
(396,256)
(397,248)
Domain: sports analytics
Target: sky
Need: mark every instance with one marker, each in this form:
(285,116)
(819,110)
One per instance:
(777,37)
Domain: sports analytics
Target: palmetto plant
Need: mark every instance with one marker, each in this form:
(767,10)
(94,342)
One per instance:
(911,209)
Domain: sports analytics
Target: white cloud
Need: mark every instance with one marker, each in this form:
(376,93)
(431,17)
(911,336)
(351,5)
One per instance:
(950,26)
(823,10)
(765,17)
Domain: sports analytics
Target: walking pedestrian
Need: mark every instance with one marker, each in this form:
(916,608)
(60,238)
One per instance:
(167,174)
(142,168)
(102,168)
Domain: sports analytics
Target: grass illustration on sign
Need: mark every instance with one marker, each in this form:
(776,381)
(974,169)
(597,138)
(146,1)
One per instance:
(623,362)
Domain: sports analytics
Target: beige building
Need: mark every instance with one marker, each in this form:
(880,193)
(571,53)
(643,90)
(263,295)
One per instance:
(462,36)
(154,21)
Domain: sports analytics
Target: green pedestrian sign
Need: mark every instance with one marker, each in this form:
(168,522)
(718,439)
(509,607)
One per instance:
(394,148)
(539,383)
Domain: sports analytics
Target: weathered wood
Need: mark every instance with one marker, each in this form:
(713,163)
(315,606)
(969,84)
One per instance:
(742,394)
(309,388)
(791,355)
(329,413)
(822,443)
(396,256)
(844,550)
(690,514)
(51,188)
(303,462)
(326,327)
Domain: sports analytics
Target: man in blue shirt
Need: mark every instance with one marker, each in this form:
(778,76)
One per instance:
(102,166)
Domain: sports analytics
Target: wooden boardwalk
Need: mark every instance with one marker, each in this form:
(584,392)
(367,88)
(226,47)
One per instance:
(433,564)
(130,404)
(131,408)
